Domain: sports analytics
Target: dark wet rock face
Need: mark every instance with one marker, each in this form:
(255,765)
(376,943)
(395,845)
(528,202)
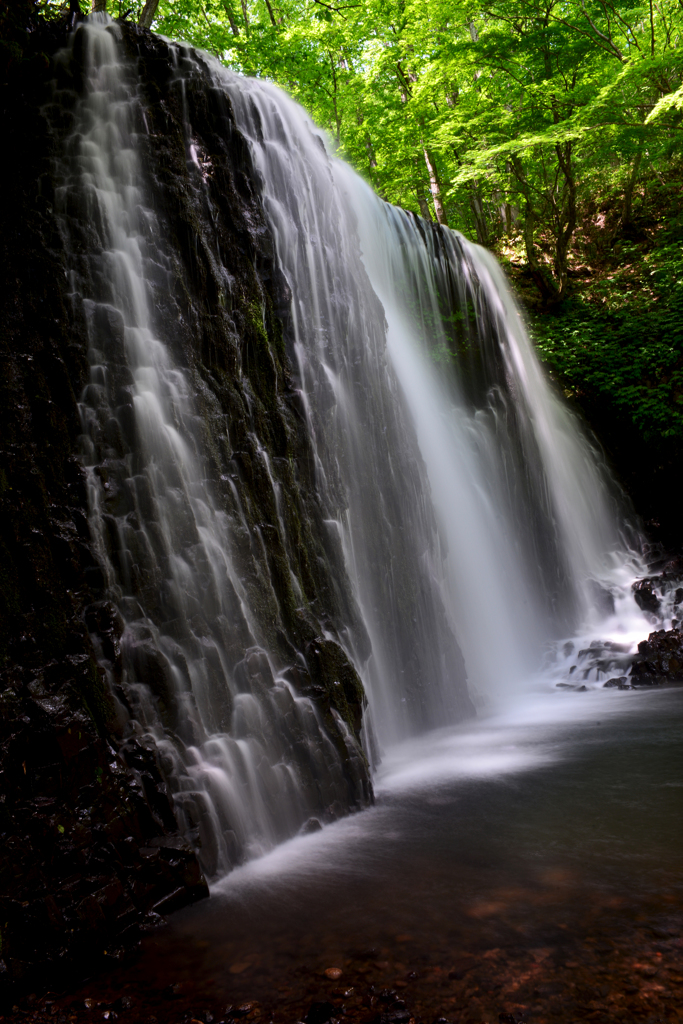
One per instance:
(659,658)
(645,595)
(660,595)
(90,851)
(74,816)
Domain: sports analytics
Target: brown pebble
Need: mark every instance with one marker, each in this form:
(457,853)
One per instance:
(333,973)
(238,968)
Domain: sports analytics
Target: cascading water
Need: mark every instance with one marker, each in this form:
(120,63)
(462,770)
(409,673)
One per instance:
(368,462)
(532,533)
(249,759)
(459,491)
(531,517)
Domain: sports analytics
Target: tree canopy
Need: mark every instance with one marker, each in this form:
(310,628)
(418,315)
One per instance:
(495,117)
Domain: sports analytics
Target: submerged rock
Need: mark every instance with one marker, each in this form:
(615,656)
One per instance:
(600,659)
(619,683)
(320,1013)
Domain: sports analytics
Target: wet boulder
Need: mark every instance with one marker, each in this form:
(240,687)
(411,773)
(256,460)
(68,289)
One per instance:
(660,596)
(601,658)
(659,659)
(645,594)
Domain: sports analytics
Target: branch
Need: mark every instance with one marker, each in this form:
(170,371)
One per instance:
(336,10)
(629,28)
(403,78)
(608,49)
(635,124)
(602,35)
(509,20)
(201,7)
(489,62)
(234,28)
(667,28)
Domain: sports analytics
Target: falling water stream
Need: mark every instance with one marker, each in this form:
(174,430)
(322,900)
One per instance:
(524,531)
(249,758)
(479,527)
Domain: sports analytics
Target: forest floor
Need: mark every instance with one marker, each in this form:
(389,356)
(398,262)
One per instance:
(610,265)
(614,345)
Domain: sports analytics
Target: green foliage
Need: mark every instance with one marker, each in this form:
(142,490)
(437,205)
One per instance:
(629,356)
(510,121)
(507,121)
(522,107)
(500,121)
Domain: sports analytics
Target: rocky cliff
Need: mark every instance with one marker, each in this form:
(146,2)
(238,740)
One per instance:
(90,849)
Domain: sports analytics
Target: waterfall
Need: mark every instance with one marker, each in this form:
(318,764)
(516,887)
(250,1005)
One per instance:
(533,521)
(461,520)
(249,758)
(518,527)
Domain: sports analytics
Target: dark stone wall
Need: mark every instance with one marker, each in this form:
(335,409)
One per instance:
(89,847)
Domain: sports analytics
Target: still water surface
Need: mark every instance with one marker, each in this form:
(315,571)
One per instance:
(555,823)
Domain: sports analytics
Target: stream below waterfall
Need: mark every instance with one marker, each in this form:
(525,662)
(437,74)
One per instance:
(524,863)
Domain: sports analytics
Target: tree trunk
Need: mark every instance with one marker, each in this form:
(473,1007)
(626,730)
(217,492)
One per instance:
(540,277)
(234,27)
(560,263)
(566,218)
(371,153)
(245,14)
(424,207)
(477,208)
(148,12)
(337,117)
(630,187)
(435,188)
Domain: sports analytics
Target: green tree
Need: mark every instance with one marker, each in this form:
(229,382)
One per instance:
(503,119)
